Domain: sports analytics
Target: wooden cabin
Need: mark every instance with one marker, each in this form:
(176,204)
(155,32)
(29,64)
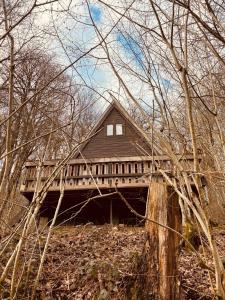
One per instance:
(117,155)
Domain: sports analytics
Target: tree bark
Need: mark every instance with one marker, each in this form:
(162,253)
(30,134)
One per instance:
(162,245)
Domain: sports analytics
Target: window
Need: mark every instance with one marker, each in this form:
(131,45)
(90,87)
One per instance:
(119,129)
(109,130)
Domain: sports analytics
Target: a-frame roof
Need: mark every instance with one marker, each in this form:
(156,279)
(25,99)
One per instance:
(115,105)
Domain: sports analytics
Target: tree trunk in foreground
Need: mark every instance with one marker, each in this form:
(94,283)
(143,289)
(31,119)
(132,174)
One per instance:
(162,244)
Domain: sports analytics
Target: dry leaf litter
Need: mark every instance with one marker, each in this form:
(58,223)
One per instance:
(101,262)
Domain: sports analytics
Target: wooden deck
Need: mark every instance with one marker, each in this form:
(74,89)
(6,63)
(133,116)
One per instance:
(122,172)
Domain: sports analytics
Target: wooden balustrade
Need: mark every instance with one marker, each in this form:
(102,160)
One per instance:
(105,173)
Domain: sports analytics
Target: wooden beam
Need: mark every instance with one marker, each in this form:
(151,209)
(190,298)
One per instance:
(114,159)
(125,175)
(74,187)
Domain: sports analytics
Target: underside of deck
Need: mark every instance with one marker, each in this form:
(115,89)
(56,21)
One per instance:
(101,210)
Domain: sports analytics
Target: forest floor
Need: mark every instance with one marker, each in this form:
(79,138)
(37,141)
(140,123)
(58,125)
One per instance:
(101,262)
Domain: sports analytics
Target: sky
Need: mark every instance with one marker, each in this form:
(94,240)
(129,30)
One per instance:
(80,36)
(73,34)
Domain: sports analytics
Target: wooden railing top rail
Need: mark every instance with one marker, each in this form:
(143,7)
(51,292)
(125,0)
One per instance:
(113,159)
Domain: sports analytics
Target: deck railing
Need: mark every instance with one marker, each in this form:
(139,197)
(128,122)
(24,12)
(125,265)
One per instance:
(104,173)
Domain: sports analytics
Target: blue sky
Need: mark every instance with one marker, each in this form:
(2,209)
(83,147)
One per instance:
(96,13)
(131,47)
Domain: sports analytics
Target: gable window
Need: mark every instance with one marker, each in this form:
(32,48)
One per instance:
(109,130)
(119,129)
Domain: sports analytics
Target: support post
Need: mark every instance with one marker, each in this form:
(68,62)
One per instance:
(162,244)
(43,223)
(111,212)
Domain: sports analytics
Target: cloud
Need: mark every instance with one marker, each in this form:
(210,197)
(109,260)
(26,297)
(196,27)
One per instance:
(78,35)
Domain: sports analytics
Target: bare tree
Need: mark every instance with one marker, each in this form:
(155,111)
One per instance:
(165,56)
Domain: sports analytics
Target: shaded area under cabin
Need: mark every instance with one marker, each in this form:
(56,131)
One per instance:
(106,210)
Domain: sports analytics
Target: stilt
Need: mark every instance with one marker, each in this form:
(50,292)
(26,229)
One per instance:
(111,212)
(43,223)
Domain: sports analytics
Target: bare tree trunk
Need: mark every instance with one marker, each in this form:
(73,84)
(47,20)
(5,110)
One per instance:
(162,244)
(4,186)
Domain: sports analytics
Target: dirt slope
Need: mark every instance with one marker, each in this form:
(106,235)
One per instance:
(101,262)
